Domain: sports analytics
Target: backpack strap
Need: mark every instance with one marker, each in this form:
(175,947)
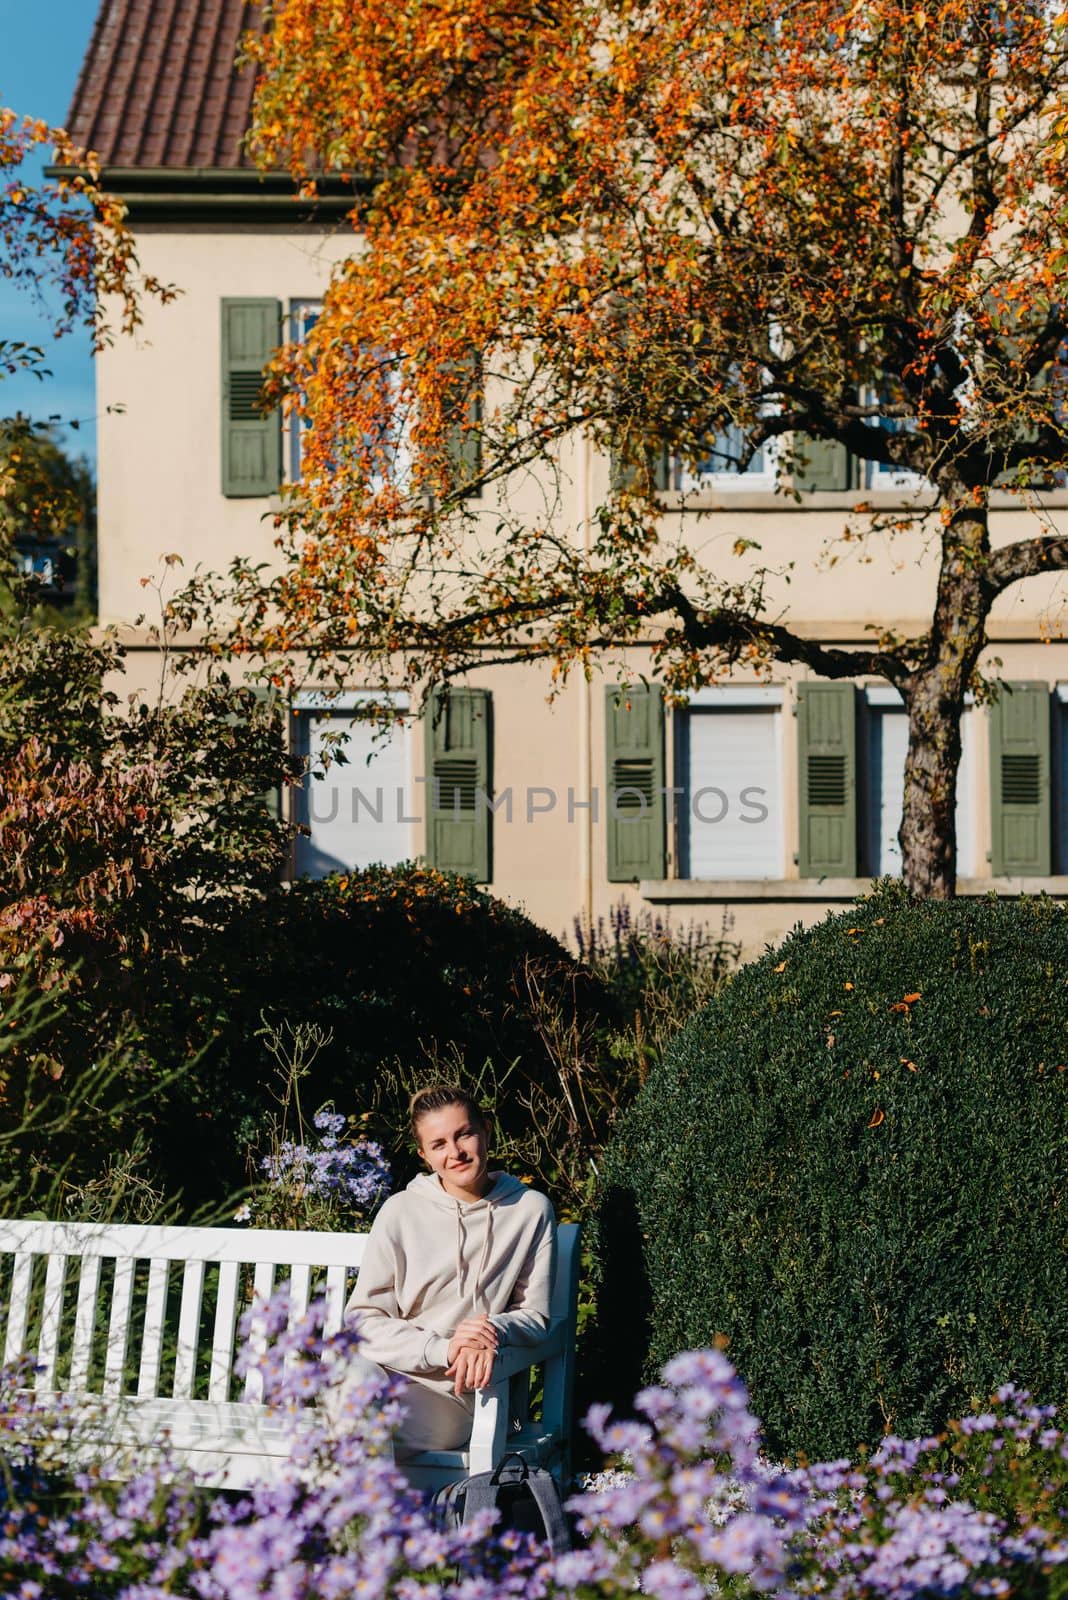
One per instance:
(542,1486)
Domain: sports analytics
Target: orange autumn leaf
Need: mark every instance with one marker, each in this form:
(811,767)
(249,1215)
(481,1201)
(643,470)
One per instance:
(876,1118)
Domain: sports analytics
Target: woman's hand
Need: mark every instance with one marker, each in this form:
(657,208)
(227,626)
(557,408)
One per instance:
(471,1368)
(475,1333)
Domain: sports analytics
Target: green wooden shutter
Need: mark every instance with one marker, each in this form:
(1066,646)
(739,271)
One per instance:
(1021,843)
(463,441)
(822,464)
(634,741)
(457,759)
(827,803)
(251,439)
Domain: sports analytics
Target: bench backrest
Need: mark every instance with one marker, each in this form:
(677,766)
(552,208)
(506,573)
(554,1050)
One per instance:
(124,1321)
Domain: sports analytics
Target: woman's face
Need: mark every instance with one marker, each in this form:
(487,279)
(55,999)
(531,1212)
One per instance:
(456,1149)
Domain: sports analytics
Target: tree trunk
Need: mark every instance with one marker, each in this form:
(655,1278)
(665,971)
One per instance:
(934,698)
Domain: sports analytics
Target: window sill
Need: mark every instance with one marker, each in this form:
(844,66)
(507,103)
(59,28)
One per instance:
(719,890)
(741,499)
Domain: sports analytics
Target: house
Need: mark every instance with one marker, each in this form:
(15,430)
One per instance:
(773,800)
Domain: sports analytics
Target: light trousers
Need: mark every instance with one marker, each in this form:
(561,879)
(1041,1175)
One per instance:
(434,1421)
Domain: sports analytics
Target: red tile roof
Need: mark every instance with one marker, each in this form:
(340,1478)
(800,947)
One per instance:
(159,87)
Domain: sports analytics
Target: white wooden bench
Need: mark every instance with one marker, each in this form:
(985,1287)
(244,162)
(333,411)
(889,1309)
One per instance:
(99,1308)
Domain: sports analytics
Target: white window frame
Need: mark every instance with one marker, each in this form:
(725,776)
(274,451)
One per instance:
(876,474)
(303,314)
(882,697)
(726,698)
(306,702)
(684,480)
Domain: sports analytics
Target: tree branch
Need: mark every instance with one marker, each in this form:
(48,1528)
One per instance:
(1025,559)
(735,630)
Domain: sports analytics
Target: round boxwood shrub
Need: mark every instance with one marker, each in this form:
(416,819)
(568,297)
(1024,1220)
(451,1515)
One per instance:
(853,1166)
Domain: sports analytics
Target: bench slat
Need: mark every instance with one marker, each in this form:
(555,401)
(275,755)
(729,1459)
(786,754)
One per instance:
(336,1278)
(152,1340)
(118,1328)
(263,1287)
(147,1243)
(299,1296)
(18,1309)
(84,1323)
(222,1344)
(51,1312)
(185,1362)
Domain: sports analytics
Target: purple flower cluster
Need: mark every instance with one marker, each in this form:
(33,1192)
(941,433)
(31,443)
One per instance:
(687,1507)
(354,1175)
(980,1510)
(697,1502)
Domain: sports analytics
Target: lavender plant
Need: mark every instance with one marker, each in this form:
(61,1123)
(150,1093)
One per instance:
(688,1507)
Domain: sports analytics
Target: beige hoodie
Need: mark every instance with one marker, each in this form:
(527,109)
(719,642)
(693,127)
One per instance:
(431,1261)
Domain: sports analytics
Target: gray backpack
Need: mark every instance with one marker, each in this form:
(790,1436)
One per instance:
(526,1497)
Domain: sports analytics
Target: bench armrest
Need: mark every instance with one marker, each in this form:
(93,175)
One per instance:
(489,1431)
(518,1357)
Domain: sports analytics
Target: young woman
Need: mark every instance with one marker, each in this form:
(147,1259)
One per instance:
(457,1266)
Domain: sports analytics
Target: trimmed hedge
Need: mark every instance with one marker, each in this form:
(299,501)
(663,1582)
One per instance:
(853,1165)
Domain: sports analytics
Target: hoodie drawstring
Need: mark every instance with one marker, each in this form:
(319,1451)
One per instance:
(461,1264)
(483,1258)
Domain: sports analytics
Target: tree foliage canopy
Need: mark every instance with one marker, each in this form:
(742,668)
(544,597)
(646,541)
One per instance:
(68,235)
(669,223)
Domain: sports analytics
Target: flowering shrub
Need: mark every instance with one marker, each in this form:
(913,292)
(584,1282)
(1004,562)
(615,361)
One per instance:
(351,1177)
(694,1509)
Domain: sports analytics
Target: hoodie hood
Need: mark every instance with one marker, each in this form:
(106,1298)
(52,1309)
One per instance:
(473,1217)
(426,1186)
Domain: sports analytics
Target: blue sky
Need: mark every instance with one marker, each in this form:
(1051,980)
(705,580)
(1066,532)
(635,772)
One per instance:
(43,42)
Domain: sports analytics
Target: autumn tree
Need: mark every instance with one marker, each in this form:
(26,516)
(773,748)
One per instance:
(668,224)
(47,523)
(65,240)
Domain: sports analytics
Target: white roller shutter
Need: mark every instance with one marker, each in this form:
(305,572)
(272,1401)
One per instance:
(888,738)
(359,814)
(731,808)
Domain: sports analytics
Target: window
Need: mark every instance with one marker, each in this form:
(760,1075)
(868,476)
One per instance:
(877,474)
(721,467)
(884,746)
(359,813)
(464,444)
(303,315)
(729,771)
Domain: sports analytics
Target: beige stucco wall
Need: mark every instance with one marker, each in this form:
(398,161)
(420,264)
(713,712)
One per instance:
(159,468)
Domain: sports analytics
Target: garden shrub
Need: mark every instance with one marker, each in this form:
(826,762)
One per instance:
(851,1165)
(409,974)
(129,835)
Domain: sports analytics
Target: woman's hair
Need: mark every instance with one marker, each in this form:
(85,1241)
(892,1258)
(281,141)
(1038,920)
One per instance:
(435,1097)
